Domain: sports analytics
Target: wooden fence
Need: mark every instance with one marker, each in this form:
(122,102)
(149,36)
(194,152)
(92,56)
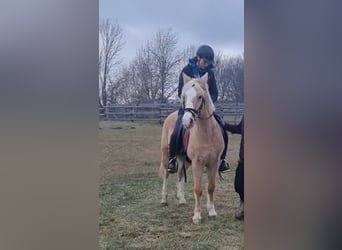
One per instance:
(158,112)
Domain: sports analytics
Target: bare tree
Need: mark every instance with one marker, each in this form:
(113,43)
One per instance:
(186,54)
(229,74)
(154,71)
(138,79)
(125,88)
(152,76)
(110,37)
(165,57)
(146,75)
(219,71)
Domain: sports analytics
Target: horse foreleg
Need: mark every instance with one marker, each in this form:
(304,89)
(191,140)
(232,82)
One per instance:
(180,183)
(211,188)
(164,190)
(197,175)
(165,175)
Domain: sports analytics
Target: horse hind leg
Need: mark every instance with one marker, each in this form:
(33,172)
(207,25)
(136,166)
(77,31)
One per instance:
(168,126)
(210,189)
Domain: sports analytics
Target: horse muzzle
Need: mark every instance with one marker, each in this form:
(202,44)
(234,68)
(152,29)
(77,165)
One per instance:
(188,120)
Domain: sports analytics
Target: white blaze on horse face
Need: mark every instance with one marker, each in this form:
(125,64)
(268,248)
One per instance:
(187,117)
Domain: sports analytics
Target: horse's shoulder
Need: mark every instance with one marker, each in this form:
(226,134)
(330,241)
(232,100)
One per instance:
(171,119)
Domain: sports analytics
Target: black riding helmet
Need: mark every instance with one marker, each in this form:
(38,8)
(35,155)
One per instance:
(206,52)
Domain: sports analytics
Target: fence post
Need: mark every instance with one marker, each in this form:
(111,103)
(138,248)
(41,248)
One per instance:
(106,112)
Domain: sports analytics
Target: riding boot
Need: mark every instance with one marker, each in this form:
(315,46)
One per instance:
(172,166)
(224,166)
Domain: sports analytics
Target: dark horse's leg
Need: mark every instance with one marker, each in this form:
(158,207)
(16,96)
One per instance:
(238,185)
(175,143)
(224,167)
(239,180)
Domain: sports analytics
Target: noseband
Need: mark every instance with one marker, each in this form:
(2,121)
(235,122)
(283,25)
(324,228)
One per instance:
(196,113)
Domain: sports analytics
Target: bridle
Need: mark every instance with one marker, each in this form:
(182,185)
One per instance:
(196,113)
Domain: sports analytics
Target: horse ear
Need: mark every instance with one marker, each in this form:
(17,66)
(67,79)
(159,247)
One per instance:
(186,78)
(203,80)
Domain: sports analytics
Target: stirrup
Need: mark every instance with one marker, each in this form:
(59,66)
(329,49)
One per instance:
(172,166)
(224,167)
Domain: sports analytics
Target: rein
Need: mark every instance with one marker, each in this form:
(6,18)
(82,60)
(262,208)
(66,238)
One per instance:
(206,118)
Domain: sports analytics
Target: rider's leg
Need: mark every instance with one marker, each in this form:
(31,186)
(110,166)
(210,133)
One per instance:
(224,167)
(172,168)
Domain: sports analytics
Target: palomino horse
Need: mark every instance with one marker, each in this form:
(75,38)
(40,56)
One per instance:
(205,144)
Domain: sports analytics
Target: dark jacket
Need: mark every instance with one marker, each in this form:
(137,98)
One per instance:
(193,71)
(237,129)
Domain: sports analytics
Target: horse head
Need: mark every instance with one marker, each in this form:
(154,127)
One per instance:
(196,100)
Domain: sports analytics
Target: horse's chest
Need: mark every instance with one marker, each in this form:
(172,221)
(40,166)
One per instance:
(202,151)
(207,146)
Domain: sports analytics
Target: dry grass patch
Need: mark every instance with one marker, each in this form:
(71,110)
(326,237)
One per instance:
(131,216)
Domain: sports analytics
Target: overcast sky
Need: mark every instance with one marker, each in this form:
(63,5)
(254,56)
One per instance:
(218,23)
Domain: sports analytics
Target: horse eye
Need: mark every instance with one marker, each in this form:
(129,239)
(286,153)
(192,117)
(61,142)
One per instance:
(200,97)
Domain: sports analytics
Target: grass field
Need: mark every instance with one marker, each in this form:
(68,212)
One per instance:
(131,216)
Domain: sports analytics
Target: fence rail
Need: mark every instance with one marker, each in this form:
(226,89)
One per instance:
(158,112)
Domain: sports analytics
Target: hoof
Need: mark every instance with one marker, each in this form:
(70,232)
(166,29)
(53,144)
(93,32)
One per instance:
(163,203)
(212,214)
(182,202)
(196,220)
